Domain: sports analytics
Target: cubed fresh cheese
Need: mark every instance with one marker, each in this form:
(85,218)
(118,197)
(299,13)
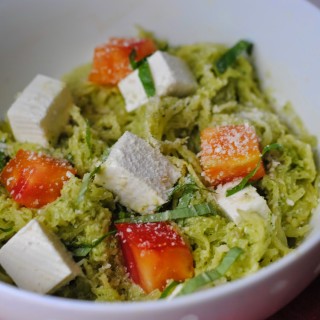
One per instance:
(41,111)
(36,260)
(171,76)
(246,200)
(138,174)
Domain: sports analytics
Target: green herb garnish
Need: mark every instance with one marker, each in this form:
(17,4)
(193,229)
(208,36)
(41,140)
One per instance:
(185,192)
(87,177)
(147,79)
(179,213)
(3,160)
(206,278)
(83,250)
(182,189)
(88,137)
(185,200)
(168,290)
(244,182)
(132,59)
(143,72)
(229,57)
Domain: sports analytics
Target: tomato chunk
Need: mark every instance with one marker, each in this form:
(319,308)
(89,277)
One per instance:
(154,253)
(34,180)
(111,60)
(229,152)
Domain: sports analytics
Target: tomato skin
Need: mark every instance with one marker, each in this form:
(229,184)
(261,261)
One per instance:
(154,253)
(229,152)
(111,60)
(34,180)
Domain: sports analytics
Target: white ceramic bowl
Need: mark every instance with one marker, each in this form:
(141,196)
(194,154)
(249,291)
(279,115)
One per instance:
(52,37)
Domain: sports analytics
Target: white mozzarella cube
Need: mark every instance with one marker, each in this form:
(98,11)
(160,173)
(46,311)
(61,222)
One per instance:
(133,91)
(138,174)
(36,260)
(171,77)
(41,111)
(246,200)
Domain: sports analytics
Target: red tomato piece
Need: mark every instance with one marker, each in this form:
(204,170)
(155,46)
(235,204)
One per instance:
(154,253)
(229,152)
(111,60)
(34,180)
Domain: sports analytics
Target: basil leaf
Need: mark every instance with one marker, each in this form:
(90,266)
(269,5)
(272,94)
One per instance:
(229,57)
(184,193)
(81,251)
(88,137)
(84,249)
(168,290)
(208,277)
(3,160)
(185,200)
(270,147)
(181,189)
(88,177)
(132,59)
(147,79)
(143,72)
(179,213)
(244,182)
(99,240)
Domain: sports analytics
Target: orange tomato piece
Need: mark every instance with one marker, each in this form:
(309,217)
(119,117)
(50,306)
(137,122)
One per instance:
(111,60)
(154,253)
(229,152)
(33,179)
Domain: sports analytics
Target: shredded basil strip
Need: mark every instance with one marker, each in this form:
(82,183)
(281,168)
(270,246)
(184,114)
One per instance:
(143,72)
(183,192)
(133,62)
(3,160)
(179,213)
(84,249)
(229,57)
(244,182)
(208,277)
(168,290)
(182,189)
(146,79)
(185,200)
(187,193)
(132,59)
(87,177)
(88,137)
(122,215)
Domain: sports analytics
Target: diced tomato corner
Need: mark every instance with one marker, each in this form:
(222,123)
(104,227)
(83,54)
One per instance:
(111,60)
(229,152)
(34,179)
(154,253)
